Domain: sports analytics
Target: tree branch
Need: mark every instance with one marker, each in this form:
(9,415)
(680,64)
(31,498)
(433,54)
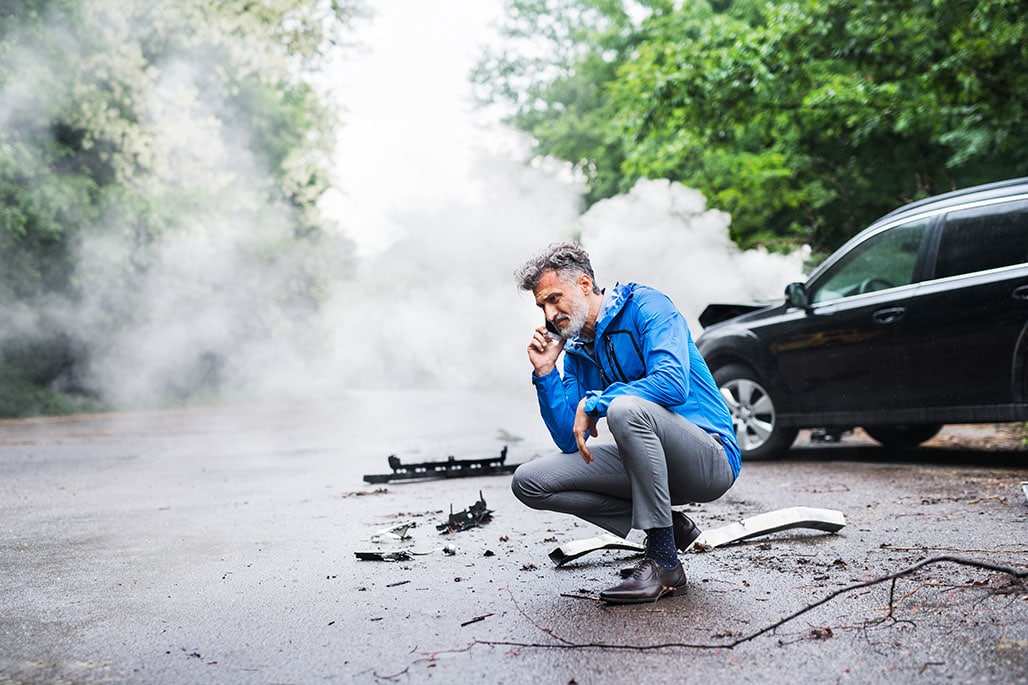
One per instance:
(892,577)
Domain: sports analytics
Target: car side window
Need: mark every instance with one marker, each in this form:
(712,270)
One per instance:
(983,238)
(885,260)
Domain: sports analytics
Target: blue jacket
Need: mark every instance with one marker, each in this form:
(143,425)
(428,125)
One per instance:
(642,347)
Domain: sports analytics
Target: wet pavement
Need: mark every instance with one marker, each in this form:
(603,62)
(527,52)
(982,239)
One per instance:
(218,545)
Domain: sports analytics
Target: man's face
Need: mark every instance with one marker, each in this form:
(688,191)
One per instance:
(563,302)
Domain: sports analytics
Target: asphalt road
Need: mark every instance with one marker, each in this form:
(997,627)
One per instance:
(218,545)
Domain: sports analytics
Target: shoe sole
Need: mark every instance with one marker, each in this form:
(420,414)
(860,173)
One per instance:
(671,592)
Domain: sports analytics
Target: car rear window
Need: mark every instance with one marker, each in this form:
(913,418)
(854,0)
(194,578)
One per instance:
(983,238)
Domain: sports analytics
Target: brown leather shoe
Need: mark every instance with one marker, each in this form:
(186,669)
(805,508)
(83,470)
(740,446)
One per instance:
(649,582)
(686,531)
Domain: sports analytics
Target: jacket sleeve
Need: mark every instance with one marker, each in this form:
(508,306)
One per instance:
(558,401)
(664,338)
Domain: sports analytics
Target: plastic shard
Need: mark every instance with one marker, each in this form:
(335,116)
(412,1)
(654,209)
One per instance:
(827,520)
(396,555)
(570,551)
(394,533)
(475,515)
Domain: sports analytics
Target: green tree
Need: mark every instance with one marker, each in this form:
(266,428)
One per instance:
(125,122)
(552,72)
(805,119)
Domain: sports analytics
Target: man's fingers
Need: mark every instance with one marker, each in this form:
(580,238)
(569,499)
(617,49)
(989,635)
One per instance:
(541,343)
(587,456)
(584,449)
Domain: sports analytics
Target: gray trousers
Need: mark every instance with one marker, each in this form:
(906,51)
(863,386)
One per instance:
(659,459)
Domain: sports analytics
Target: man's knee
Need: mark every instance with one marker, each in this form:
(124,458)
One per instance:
(525,486)
(625,410)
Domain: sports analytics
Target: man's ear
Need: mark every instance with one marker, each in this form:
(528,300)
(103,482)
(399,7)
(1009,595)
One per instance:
(585,283)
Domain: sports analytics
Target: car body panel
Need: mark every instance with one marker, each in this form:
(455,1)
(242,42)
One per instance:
(964,336)
(826,356)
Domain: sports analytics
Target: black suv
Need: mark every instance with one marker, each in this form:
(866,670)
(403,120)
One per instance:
(918,321)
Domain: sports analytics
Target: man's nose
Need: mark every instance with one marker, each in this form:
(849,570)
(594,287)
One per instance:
(549,311)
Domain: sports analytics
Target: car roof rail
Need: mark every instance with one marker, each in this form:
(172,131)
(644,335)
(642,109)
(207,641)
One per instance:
(954,194)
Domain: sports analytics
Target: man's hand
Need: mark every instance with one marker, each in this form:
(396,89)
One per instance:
(543,351)
(584,425)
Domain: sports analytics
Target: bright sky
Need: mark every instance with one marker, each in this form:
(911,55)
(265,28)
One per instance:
(408,137)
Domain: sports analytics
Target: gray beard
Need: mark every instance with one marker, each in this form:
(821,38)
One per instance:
(576,320)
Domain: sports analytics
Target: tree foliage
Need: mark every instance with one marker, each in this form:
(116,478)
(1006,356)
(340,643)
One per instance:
(126,123)
(805,119)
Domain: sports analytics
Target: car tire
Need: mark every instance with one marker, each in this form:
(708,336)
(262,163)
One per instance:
(754,414)
(903,435)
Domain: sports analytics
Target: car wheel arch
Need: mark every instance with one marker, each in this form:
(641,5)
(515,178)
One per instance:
(753,403)
(760,362)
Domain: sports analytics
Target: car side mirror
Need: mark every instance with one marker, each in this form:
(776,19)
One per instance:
(796,296)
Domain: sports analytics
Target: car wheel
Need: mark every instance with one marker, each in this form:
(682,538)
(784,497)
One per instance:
(757,430)
(904,435)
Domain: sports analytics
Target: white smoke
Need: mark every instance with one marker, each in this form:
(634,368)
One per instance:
(662,234)
(440,308)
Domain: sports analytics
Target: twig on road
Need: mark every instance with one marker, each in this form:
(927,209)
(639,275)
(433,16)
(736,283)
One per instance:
(923,548)
(475,619)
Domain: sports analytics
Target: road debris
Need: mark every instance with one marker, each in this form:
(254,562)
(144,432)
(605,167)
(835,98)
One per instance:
(382,555)
(963,550)
(476,619)
(394,533)
(475,515)
(364,493)
(398,542)
(451,468)
(828,520)
(448,550)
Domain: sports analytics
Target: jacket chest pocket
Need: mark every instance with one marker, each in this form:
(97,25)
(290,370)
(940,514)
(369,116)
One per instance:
(621,357)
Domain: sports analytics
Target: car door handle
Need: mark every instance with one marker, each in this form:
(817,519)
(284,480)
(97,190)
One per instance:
(890,315)
(1020,293)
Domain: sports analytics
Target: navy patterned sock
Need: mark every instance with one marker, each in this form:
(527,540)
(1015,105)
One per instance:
(660,546)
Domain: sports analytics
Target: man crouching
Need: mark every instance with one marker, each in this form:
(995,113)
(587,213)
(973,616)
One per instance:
(630,359)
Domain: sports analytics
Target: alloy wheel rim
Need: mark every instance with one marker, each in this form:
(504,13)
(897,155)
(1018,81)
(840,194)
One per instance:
(753,412)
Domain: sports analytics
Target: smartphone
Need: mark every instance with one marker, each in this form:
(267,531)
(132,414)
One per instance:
(551,331)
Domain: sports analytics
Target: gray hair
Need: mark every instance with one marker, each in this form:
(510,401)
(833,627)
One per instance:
(567,259)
